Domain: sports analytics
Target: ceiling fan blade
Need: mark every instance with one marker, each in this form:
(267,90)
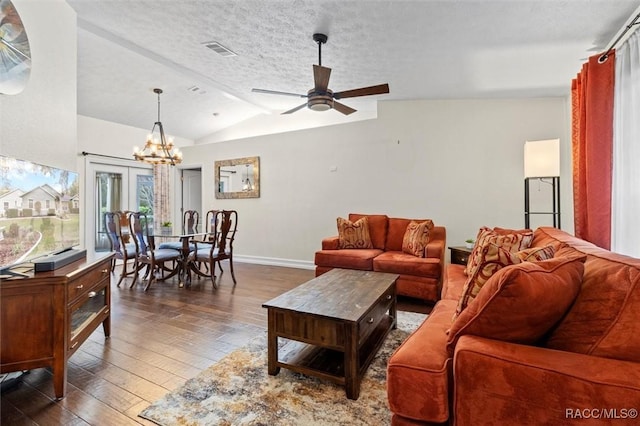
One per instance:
(295,109)
(321,78)
(363,91)
(275,92)
(343,108)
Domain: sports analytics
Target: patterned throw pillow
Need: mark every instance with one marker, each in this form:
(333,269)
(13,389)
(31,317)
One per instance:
(536,254)
(510,239)
(416,237)
(490,259)
(354,235)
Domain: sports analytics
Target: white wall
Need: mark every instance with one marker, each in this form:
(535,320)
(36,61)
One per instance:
(107,138)
(458,162)
(39,124)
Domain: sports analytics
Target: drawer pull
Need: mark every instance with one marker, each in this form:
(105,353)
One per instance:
(370,320)
(104,271)
(388,297)
(80,287)
(75,344)
(92,294)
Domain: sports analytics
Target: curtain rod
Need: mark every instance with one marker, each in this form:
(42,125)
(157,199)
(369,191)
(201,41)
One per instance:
(85,153)
(603,58)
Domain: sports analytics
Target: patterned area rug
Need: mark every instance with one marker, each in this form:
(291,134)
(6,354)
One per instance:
(238,391)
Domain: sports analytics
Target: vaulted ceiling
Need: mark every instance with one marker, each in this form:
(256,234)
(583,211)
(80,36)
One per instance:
(440,49)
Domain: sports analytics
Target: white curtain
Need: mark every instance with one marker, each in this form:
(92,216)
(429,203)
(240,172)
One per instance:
(625,197)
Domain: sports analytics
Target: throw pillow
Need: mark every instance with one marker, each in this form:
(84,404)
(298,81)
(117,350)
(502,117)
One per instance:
(510,239)
(416,238)
(521,303)
(354,235)
(490,259)
(534,254)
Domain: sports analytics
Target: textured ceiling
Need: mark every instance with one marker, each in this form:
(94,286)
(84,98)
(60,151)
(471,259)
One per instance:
(423,49)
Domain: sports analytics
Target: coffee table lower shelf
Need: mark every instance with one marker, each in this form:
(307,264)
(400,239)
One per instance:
(329,364)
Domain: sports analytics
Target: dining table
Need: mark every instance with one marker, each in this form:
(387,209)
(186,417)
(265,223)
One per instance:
(183,263)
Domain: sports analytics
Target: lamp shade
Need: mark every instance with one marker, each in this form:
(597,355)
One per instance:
(542,158)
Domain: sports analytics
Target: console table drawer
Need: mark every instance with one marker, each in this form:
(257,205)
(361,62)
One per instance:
(85,282)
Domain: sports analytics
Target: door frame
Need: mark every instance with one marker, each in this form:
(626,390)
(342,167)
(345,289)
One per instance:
(177,210)
(92,165)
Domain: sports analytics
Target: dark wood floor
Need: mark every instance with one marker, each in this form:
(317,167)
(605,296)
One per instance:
(159,339)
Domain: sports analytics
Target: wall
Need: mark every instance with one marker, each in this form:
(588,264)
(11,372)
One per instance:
(458,162)
(39,124)
(107,138)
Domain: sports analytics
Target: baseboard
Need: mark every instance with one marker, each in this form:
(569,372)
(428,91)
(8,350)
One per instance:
(274,261)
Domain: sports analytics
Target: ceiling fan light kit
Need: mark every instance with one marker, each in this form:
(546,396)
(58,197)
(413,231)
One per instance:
(321,98)
(318,102)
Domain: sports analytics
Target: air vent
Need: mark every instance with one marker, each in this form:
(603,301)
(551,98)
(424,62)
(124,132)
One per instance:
(196,89)
(219,49)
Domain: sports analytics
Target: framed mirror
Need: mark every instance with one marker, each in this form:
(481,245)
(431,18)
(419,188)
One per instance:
(238,178)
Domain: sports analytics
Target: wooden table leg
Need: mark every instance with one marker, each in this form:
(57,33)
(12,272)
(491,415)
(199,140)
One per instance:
(59,370)
(393,309)
(272,344)
(351,367)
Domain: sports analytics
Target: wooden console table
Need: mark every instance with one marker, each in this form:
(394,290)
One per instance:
(46,316)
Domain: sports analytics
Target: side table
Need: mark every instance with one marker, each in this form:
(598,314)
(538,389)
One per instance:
(460,254)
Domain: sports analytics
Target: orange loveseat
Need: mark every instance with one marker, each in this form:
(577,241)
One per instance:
(584,371)
(420,277)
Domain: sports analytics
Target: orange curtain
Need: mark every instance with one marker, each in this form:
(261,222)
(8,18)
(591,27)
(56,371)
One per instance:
(592,144)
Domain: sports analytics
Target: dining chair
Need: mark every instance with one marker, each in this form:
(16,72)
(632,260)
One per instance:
(223,225)
(119,241)
(155,259)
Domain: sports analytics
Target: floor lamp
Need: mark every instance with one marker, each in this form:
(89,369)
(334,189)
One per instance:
(542,162)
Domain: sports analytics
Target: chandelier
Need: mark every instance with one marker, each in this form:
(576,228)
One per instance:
(158,149)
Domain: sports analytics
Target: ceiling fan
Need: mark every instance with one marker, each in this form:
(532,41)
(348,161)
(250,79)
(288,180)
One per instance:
(321,98)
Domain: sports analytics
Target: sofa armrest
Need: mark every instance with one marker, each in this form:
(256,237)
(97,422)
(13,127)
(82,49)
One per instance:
(505,383)
(330,243)
(434,249)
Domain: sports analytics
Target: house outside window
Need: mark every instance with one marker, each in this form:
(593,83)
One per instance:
(30,203)
(47,204)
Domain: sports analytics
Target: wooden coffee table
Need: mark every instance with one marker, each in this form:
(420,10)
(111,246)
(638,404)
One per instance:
(334,324)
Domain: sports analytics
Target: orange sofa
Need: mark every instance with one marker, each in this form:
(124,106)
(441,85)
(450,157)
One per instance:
(420,277)
(584,371)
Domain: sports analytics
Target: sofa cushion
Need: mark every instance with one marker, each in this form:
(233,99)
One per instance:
(397,229)
(509,239)
(418,372)
(398,262)
(378,224)
(453,282)
(354,235)
(423,288)
(361,259)
(489,260)
(416,238)
(520,303)
(603,320)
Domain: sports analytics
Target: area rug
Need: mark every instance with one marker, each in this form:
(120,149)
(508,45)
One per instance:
(238,391)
